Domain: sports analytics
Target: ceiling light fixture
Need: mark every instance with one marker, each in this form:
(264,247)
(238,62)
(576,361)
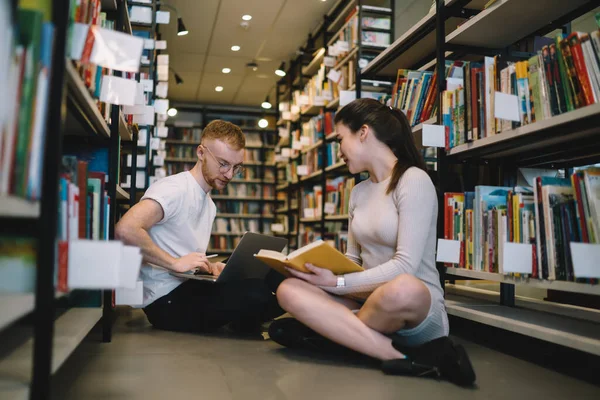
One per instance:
(263,123)
(226,70)
(252,65)
(235,48)
(219,89)
(266,104)
(281,70)
(246,17)
(178,79)
(181,30)
(171,112)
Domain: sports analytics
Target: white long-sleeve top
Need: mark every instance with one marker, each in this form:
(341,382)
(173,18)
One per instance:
(392,234)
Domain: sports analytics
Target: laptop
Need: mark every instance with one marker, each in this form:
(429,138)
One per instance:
(242,264)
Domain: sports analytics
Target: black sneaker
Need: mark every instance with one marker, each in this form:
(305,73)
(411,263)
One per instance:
(439,357)
(291,333)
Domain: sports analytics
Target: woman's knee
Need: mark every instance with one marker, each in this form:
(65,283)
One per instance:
(404,293)
(291,293)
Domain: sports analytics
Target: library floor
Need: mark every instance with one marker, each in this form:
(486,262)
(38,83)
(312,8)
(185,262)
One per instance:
(144,363)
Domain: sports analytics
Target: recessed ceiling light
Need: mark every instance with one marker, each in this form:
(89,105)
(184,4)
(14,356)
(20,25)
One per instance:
(246,17)
(263,123)
(226,70)
(171,112)
(235,48)
(219,89)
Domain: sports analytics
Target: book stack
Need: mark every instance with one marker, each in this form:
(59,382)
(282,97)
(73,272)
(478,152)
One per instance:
(25,76)
(562,76)
(549,216)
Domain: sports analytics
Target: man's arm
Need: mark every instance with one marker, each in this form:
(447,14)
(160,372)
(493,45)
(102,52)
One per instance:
(133,229)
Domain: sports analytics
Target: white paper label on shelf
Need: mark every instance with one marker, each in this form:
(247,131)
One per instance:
(148,44)
(140,97)
(162,59)
(148,84)
(160,44)
(134,109)
(347,96)
(114,50)
(162,132)
(506,106)
(117,90)
(154,143)
(329,61)
(140,14)
(158,161)
(363,63)
(286,152)
(309,213)
(319,101)
(276,227)
(332,51)
(145,60)
(305,140)
(162,73)
(161,106)
(163,17)
(295,108)
(297,145)
(334,75)
(343,46)
(162,89)
(585,258)
(146,118)
(517,258)
(434,135)
(303,100)
(327,96)
(286,115)
(78,36)
(302,170)
(448,251)
(330,208)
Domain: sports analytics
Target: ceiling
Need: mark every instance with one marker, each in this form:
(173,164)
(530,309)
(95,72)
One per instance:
(278,28)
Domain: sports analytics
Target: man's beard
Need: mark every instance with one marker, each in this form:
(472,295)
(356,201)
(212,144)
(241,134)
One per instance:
(211,179)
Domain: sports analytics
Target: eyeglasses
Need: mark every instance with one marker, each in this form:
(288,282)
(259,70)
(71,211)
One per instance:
(225,167)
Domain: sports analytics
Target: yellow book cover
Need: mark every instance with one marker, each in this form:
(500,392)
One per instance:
(317,253)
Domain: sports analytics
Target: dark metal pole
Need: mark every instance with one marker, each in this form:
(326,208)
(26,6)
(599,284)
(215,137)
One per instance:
(46,246)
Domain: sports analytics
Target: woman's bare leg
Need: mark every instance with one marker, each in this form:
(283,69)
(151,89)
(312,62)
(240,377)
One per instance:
(332,317)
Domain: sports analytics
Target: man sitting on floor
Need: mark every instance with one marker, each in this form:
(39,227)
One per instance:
(172,225)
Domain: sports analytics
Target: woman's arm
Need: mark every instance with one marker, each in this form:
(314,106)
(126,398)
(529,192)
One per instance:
(416,201)
(353,250)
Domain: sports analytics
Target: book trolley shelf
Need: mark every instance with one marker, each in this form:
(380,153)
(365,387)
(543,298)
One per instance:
(42,327)
(463,29)
(311,210)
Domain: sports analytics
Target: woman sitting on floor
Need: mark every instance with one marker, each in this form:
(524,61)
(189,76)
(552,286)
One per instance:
(392,234)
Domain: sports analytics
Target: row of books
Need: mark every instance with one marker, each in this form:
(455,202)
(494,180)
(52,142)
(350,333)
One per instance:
(549,216)
(243,189)
(25,73)
(192,135)
(338,195)
(179,151)
(562,76)
(235,225)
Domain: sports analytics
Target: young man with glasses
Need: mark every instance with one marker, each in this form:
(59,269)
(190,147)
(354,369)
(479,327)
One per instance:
(172,225)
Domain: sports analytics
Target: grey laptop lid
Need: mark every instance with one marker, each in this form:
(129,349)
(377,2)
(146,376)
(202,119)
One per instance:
(242,264)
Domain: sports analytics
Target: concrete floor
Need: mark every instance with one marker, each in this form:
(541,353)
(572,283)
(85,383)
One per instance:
(143,363)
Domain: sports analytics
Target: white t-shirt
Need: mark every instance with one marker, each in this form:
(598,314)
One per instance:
(189,213)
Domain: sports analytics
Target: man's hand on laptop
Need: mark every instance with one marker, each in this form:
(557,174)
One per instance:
(217,268)
(192,262)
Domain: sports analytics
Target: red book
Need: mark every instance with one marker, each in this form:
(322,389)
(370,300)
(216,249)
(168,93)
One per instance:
(582,72)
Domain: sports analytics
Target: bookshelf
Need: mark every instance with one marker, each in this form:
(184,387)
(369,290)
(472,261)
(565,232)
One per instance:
(469,30)
(76,124)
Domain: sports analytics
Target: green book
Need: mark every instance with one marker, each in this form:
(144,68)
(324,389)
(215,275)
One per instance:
(564,77)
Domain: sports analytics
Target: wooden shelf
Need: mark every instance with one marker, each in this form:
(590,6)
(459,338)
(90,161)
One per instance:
(531,282)
(16,207)
(565,331)
(311,176)
(225,215)
(311,147)
(331,136)
(339,20)
(343,217)
(335,166)
(14,306)
(581,125)
(282,210)
(69,331)
(333,104)
(315,63)
(82,103)
(282,187)
(124,130)
(181,159)
(348,56)
(311,110)
(122,194)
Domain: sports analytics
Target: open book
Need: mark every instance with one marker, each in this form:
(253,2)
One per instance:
(318,253)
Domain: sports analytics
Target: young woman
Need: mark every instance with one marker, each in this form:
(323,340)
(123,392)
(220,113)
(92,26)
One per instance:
(392,234)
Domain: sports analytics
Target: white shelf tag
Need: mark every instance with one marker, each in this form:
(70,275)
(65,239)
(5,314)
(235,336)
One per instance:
(302,170)
(585,258)
(518,258)
(305,140)
(297,145)
(334,75)
(329,61)
(309,213)
(434,135)
(277,227)
(506,106)
(448,251)
(116,90)
(329,208)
